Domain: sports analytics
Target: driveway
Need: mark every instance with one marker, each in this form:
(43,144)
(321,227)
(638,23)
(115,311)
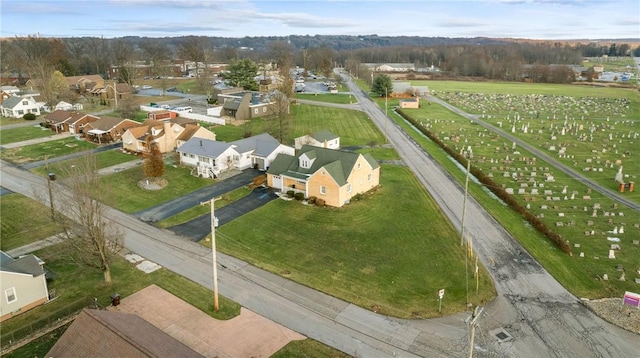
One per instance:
(197,229)
(172,207)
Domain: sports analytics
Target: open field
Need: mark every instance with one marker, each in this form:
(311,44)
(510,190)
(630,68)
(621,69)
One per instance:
(565,205)
(20,134)
(24,221)
(53,149)
(373,252)
(329,98)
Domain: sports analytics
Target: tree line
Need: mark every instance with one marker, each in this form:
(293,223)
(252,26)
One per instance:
(474,57)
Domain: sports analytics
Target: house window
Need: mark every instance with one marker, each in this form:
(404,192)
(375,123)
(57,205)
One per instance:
(264,109)
(191,156)
(256,110)
(203,159)
(236,157)
(11,295)
(247,156)
(348,188)
(184,154)
(323,190)
(369,177)
(25,103)
(359,165)
(20,112)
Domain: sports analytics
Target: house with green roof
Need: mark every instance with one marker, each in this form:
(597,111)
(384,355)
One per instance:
(334,176)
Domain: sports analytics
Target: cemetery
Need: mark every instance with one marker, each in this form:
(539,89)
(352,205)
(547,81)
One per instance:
(597,136)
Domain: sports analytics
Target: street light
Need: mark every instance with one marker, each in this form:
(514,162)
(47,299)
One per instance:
(469,156)
(386,115)
(214,224)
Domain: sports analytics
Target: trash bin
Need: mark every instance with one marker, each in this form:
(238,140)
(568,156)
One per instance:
(52,176)
(115,299)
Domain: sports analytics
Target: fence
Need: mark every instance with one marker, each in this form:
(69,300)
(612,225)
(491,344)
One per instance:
(15,337)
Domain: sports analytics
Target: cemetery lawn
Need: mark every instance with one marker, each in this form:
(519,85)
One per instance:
(103,160)
(127,196)
(374,252)
(17,231)
(572,218)
(52,149)
(19,134)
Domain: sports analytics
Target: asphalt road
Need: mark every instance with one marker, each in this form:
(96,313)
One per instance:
(543,318)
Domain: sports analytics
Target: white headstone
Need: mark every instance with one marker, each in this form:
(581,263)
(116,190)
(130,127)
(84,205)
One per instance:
(612,254)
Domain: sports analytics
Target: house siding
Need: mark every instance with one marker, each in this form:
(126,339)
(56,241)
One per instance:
(30,292)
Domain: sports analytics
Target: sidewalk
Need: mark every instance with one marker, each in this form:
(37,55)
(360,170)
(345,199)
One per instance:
(37,140)
(35,246)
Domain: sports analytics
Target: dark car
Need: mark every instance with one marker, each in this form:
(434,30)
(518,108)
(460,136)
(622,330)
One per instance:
(172,89)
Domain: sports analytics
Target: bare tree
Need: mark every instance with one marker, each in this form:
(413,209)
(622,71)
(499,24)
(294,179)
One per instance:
(95,240)
(122,55)
(282,120)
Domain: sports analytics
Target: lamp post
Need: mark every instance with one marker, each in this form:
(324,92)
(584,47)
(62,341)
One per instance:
(214,224)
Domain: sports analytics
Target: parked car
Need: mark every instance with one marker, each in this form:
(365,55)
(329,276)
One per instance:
(172,89)
(146,87)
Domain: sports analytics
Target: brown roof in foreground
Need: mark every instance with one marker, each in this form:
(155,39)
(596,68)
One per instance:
(58,116)
(99,334)
(188,132)
(106,123)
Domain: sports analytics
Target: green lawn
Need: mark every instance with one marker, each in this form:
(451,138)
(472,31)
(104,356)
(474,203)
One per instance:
(374,252)
(24,221)
(52,149)
(579,275)
(103,160)
(7,120)
(127,196)
(76,285)
(307,348)
(20,134)
(329,98)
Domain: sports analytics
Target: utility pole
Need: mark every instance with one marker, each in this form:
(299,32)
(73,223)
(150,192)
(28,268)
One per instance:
(386,115)
(50,177)
(473,321)
(214,224)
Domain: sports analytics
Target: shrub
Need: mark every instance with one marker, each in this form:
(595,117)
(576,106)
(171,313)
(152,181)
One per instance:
(311,200)
(290,194)
(320,202)
(299,196)
(357,197)
(29,116)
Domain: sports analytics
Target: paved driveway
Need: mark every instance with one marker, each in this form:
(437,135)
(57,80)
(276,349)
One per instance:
(172,207)
(197,229)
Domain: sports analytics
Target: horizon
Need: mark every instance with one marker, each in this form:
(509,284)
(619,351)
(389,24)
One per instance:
(563,20)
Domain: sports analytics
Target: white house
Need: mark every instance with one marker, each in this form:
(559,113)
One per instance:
(322,139)
(23,285)
(210,157)
(16,107)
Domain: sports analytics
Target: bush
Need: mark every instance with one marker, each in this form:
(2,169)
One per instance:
(320,202)
(299,196)
(29,116)
(311,200)
(290,194)
(357,197)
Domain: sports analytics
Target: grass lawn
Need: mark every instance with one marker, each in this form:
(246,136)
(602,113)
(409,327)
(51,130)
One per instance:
(306,348)
(330,97)
(200,210)
(127,196)
(374,252)
(103,160)
(24,221)
(35,152)
(579,275)
(20,134)
(8,120)
(76,285)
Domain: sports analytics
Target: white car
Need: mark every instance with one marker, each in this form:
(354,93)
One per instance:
(146,87)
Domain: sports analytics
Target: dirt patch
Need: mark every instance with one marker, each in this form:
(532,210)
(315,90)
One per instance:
(613,311)
(153,184)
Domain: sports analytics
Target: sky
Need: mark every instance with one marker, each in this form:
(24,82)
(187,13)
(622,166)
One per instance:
(526,19)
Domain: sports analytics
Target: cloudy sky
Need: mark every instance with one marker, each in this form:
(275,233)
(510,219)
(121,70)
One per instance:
(533,19)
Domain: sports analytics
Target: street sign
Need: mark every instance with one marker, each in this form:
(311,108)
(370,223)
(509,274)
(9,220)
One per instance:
(441,293)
